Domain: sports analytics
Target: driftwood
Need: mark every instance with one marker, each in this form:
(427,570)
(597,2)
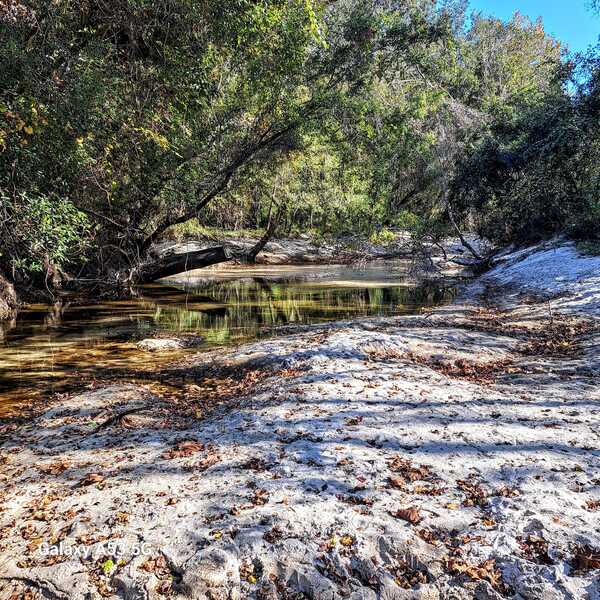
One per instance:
(178,263)
(172,264)
(115,418)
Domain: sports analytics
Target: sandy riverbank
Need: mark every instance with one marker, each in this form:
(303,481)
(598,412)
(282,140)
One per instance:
(453,454)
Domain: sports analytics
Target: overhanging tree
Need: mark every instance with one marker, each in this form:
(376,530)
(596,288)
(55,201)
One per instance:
(148,111)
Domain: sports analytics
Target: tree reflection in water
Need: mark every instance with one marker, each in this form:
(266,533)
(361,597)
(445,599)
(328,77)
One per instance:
(48,348)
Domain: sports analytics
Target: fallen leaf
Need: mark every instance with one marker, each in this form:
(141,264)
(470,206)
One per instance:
(486,571)
(592,505)
(122,517)
(183,449)
(91,479)
(408,470)
(412,515)
(397,482)
(586,558)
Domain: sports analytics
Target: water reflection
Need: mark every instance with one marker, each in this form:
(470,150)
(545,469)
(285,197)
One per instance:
(49,347)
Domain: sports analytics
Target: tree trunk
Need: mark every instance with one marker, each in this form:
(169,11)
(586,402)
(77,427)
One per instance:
(8,298)
(269,233)
(179,263)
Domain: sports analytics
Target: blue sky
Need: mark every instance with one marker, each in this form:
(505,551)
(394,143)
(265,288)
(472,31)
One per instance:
(570,21)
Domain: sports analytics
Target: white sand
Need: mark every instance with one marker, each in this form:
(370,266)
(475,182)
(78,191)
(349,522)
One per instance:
(290,491)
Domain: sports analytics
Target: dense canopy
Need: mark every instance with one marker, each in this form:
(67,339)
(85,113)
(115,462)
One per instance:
(122,119)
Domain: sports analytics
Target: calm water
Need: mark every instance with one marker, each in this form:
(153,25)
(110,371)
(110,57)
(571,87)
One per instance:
(52,348)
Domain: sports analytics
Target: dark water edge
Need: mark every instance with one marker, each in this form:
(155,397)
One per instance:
(50,349)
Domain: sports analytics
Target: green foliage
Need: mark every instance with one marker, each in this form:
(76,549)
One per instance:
(39,231)
(107,566)
(538,174)
(383,237)
(162,118)
(589,247)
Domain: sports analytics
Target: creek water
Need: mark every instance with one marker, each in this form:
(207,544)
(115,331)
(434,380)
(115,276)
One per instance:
(50,349)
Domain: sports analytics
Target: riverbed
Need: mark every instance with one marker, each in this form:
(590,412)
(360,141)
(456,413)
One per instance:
(450,454)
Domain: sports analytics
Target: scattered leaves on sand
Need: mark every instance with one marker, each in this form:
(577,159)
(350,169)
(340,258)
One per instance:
(260,497)
(485,571)
(56,468)
(592,505)
(429,536)
(558,338)
(535,549)
(489,522)
(407,576)
(408,471)
(212,458)
(160,568)
(398,483)
(507,492)
(183,449)
(586,558)
(273,535)
(428,490)
(476,372)
(474,492)
(247,572)
(92,479)
(255,464)
(355,500)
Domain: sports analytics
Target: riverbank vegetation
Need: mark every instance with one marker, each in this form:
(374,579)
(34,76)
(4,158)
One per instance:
(121,122)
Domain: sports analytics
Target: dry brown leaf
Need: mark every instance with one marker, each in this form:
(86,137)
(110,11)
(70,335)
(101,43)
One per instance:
(592,505)
(260,498)
(426,490)
(122,517)
(486,571)
(92,479)
(409,471)
(183,449)
(535,549)
(586,558)
(475,494)
(56,468)
(397,482)
(412,515)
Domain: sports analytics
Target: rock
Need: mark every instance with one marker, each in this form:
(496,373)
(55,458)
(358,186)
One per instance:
(64,581)
(307,580)
(363,594)
(167,344)
(129,588)
(211,574)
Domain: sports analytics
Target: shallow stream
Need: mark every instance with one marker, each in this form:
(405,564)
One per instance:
(49,349)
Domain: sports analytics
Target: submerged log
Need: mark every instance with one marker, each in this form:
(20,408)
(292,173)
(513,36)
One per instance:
(179,263)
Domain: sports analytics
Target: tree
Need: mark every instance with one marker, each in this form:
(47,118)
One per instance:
(149,111)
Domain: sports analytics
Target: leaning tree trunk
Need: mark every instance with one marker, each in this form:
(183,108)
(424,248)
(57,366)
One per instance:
(178,263)
(251,255)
